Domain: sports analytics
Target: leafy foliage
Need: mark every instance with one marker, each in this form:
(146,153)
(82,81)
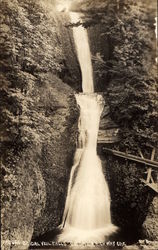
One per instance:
(38,120)
(132,86)
(129,76)
(130,70)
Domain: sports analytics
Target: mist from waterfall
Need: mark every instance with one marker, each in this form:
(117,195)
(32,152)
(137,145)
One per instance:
(86,217)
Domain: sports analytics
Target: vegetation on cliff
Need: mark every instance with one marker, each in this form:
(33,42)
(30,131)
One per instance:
(129,72)
(39,113)
(38,120)
(126,72)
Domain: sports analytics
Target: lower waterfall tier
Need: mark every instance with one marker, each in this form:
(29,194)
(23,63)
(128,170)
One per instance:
(87,215)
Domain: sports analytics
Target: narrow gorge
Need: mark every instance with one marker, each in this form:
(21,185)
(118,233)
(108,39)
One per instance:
(87,215)
(72,85)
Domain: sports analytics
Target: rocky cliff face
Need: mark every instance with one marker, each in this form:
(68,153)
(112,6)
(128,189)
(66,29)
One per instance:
(101,49)
(38,119)
(39,71)
(150,224)
(133,204)
(130,198)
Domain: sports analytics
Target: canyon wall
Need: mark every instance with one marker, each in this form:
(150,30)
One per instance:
(38,118)
(39,74)
(123,55)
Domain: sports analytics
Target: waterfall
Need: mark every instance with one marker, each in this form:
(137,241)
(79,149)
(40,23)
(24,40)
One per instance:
(86,217)
(83,52)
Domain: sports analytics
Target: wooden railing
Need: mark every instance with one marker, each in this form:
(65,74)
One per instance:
(131,157)
(150,182)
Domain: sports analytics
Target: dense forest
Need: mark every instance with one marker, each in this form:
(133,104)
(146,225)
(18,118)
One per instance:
(129,74)
(40,75)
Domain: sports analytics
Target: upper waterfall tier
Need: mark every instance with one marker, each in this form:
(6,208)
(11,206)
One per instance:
(83,53)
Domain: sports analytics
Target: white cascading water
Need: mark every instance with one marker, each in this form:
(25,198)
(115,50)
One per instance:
(84,55)
(86,217)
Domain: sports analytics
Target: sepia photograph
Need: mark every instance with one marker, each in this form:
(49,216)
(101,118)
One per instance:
(79,124)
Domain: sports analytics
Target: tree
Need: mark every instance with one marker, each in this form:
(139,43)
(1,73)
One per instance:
(132,81)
